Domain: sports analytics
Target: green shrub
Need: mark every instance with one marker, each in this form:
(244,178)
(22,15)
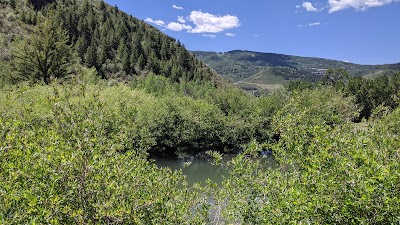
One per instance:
(328,172)
(67,157)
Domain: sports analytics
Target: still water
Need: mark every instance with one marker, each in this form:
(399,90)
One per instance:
(200,169)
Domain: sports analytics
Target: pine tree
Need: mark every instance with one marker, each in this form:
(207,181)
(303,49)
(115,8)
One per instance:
(136,47)
(141,62)
(153,63)
(91,58)
(45,54)
(124,56)
(81,46)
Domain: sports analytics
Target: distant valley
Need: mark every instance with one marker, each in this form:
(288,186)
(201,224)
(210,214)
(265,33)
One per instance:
(254,71)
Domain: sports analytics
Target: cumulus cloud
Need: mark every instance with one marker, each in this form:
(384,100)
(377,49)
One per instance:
(212,36)
(174,26)
(209,23)
(309,7)
(178,26)
(177,7)
(202,23)
(157,22)
(337,5)
(181,19)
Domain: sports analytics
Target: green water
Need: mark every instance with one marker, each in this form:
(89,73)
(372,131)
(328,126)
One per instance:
(199,170)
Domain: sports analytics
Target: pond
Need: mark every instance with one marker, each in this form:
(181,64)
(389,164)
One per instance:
(199,170)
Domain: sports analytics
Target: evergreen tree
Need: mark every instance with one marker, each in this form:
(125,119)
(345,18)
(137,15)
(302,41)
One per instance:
(153,63)
(124,56)
(141,62)
(136,47)
(91,58)
(45,54)
(81,46)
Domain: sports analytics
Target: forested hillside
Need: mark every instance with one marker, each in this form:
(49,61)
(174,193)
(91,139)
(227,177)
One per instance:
(95,35)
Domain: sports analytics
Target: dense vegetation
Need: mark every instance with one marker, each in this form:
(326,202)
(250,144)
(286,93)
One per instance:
(372,95)
(76,148)
(78,153)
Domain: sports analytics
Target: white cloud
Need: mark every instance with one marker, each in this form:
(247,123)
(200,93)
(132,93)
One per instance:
(298,7)
(178,26)
(230,34)
(309,7)
(314,24)
(212,36)
(209,23)
(157,22)
(337,5)
(310,24)
(181,19)
(177,7)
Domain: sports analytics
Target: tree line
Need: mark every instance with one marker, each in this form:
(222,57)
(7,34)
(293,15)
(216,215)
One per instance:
(372,95)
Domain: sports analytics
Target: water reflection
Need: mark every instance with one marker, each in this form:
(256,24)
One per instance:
(198,170)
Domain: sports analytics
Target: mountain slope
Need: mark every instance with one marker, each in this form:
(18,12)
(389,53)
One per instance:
(255,70)
(119,46)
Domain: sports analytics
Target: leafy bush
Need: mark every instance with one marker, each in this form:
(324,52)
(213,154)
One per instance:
(78,153)
(339,175)
(66,157)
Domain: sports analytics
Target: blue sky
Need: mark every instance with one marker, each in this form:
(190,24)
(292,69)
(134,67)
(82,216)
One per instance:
(359,31)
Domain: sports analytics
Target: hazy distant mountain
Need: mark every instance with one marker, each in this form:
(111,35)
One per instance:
(255,70)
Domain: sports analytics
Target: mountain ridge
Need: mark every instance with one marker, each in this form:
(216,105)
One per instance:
(283,54)
(278,69)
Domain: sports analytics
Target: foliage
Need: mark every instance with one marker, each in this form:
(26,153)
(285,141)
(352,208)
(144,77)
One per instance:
(195,117)
(66,157)
(4,74)
(44,55)
(335,77)
(78,153)
(372,95)
(375,92)
(180,124)
(325,174)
